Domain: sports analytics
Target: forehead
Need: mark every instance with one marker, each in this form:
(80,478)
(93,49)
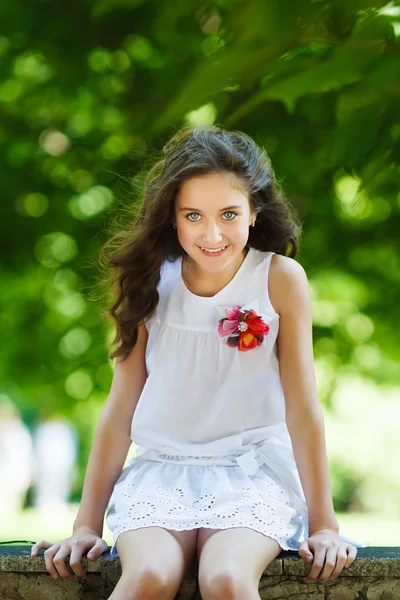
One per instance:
(211,189)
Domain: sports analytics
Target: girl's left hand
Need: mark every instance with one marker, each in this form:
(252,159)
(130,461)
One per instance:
(328,553)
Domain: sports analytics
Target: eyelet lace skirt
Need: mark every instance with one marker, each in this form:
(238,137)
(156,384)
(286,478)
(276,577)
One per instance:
(188,496)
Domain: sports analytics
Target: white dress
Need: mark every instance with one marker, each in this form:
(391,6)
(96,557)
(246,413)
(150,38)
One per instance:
(213,447)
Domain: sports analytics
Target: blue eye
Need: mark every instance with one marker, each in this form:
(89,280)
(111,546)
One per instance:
(225,213)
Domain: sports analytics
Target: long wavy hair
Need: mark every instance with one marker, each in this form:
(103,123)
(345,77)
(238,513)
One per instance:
(137,253)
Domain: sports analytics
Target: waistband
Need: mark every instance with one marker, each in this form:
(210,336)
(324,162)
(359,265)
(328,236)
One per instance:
(275,453)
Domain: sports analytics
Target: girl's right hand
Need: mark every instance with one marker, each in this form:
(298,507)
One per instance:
(81,541)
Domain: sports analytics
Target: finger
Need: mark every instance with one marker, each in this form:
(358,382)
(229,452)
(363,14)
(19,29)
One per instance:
(318,563)
(305,552)
(340,561)
(39,545)
(98,549)
(59,560)
(330,563)
(351,554)
(48,559)
(75,561)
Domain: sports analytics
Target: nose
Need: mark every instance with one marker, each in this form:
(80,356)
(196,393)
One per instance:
(212,233)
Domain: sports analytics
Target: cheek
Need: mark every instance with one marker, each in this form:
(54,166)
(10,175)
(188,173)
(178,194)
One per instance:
(186,237)
(186,233)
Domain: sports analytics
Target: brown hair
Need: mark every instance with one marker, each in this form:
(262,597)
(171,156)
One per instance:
(135,264)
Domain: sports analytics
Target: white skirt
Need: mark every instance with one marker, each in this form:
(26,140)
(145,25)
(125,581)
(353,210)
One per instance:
(183,497)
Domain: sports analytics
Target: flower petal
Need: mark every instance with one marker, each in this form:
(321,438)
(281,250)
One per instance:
(232,313)
(233,341)
(226,327)
(247,341)
(258,327)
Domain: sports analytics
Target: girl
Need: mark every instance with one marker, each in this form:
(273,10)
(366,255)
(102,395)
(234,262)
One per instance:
(214,381)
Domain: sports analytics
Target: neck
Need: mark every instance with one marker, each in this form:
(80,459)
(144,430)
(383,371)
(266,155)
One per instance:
(207,284)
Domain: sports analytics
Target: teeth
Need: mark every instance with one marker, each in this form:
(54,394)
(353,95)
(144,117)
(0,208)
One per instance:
(218,249)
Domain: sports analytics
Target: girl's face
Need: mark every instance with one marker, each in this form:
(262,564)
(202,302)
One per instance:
(213,212)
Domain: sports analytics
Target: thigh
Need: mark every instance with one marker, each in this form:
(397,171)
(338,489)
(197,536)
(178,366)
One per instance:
(164,553)
(237,550)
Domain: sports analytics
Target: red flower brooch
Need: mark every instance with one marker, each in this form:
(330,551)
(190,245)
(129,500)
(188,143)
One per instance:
(243,326)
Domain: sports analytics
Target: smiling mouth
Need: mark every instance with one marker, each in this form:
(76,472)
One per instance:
(213,250)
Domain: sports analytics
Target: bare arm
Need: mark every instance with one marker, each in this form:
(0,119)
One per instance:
(112,439)
(290,294)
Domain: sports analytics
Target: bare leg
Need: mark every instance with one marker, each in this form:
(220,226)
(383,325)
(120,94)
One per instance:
(154,562)
(232,561)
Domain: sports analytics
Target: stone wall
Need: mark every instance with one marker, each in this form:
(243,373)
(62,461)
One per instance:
(374,575)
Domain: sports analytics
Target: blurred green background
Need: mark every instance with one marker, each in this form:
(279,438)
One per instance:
(90,89)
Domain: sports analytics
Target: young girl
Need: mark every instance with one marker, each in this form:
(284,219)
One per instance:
(214,382)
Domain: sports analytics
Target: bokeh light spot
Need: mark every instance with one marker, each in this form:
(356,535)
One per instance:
(32,205)
(54,142)
(75,343)
(91,203)
(55,248)
(79,385)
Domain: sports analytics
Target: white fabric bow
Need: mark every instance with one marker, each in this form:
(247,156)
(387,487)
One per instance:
(254,304)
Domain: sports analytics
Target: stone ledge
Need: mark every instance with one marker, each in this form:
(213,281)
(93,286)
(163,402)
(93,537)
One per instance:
(374,575)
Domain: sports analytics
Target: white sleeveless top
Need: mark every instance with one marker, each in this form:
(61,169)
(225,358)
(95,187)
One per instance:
(205,402)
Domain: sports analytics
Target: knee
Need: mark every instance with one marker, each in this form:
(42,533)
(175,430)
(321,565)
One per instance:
(226,585)
(146,584)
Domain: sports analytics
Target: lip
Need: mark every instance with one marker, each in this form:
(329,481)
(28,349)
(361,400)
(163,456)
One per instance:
(213,254)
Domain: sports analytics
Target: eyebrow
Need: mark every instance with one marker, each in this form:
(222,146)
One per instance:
(199,211)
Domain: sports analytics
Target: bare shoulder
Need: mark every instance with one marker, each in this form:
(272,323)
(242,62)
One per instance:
(288,283)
